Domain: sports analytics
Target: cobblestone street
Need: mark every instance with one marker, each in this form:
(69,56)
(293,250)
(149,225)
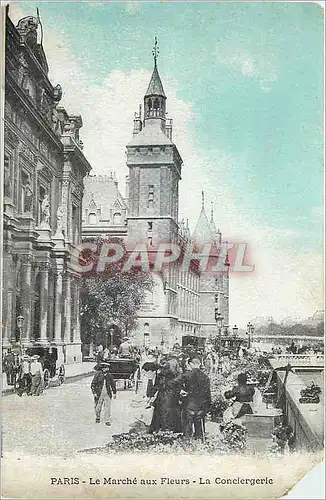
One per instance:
(61,421)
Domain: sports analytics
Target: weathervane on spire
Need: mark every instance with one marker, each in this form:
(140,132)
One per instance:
(155,51)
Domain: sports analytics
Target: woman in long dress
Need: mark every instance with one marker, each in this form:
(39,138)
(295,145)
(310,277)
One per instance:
(242,395)
(36,371)
(167,413)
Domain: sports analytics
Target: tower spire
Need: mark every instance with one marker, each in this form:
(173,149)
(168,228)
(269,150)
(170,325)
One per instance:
(155,98)
(202,200)
(212,212)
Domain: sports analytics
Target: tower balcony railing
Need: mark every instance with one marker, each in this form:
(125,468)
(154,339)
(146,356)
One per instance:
(154,113)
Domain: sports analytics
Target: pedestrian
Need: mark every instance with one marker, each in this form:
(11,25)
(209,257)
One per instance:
(36,371)
(194,388)
(99,354)
(106,354)
(125,349)
(24,376)
(103,388)
(243,395)
(9,367)
(164,397)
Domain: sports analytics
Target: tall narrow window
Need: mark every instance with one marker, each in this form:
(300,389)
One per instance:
(74,223)
(150,196)
(7,185)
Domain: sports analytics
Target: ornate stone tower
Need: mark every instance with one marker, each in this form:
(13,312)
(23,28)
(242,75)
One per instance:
(154,173)
(154,169)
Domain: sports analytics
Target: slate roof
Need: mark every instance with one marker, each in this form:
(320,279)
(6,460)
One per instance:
(151,135)
(101,191)
(203,230)
(155,86)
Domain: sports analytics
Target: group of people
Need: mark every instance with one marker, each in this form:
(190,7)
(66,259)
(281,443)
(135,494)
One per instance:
(175,391)
(24,372)
(178,394)
(125,350)
(180,400)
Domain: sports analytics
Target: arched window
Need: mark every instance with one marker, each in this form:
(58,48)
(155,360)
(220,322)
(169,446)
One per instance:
(117,219)
(92,218)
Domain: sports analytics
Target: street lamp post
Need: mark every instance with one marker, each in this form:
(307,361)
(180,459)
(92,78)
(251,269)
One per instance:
(20,324)
(219,322)
(250,332)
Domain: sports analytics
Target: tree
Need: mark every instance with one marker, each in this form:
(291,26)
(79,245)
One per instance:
(113,296)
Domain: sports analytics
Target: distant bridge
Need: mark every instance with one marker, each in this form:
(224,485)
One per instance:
(287,338)
(298,360)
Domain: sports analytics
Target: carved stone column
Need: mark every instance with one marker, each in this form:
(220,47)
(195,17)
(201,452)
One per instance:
(58,301)
(77,326)
(26,296)
(44,299)
(67,307)
(65,197)
(8,277)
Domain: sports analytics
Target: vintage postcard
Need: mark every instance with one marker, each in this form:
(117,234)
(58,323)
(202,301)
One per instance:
(162,249)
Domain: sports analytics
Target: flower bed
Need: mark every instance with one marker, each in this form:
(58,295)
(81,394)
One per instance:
(231,440)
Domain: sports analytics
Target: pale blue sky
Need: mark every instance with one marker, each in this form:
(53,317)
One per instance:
(250,76)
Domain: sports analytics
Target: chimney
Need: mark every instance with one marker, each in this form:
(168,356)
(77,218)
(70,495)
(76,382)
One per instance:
(137,122)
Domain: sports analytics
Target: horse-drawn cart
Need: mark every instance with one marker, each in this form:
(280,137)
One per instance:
(126,369)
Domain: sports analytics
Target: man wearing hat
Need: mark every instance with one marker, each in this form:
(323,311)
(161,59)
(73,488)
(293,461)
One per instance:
(125,349)
(24,376)
(103,387)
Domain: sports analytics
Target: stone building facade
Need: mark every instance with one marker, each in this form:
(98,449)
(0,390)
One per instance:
(44,168)
(183,302)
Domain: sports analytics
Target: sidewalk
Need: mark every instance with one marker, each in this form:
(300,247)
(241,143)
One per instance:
(74,371)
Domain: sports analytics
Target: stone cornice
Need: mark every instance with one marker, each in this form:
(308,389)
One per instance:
(75,154)
(29,104)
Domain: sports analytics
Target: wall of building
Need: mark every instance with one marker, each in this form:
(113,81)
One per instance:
(43,188)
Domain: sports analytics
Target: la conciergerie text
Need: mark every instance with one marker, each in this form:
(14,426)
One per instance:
(163,481)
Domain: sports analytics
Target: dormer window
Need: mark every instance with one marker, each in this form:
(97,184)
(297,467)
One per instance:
(117,219)
(92,218)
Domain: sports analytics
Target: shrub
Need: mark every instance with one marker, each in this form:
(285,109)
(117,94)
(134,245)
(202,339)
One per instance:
(283,437)
(218,407)
(234,436)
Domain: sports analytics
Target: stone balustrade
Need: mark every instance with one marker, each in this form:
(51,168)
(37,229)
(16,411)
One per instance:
(300,360)
(306,420)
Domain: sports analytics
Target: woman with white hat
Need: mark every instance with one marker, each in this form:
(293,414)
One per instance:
(36,372)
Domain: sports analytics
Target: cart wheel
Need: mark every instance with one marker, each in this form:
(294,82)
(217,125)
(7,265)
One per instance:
(61,374)
(46,378)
